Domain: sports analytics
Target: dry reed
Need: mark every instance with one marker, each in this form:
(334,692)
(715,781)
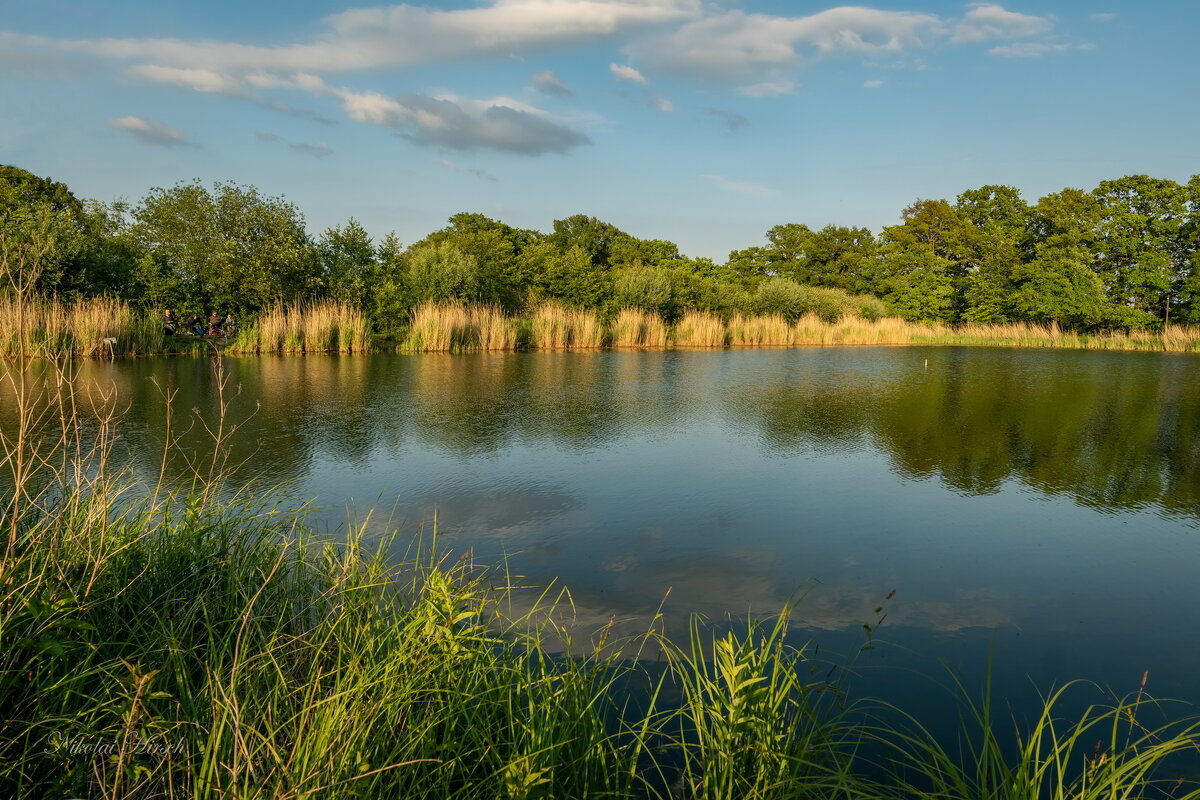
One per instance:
(97,327)
(557,327)
(700,329)
(637,328)
(446,326)
(766,330)
(321,327)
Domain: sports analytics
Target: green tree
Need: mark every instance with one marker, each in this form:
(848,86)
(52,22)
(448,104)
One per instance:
(646,288)
(1142,230)
(231,248)
(440,272)
(346,256)
(990,255)
(568,276)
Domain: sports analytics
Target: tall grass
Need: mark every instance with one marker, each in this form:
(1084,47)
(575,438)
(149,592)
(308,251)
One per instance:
(765,330)
(699,329)
(320,327)
(634,327)
(453,326)
(45,327)
(1111,750)
(558,327)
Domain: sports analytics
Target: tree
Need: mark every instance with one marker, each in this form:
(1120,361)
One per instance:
(440,272)
(346,258)
(989,257)
(594,237)
(231,248)
(78,259)
(646,288)
(1141,239)
(570,277)
(925,260)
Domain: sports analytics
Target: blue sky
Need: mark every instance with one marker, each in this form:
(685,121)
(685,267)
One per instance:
(702,122)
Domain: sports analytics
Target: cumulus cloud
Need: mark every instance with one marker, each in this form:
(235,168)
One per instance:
(736,45)
(988,21)
(741,187)
(732,120)
(200,80)
(549,83)
(397,35)
(150,131)
(623,72)
(463,124)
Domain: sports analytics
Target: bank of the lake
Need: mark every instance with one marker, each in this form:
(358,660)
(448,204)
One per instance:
(107,328)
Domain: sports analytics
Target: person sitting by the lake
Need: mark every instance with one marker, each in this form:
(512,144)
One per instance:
(214,324)
(229,325)
(168,323)
(196,325)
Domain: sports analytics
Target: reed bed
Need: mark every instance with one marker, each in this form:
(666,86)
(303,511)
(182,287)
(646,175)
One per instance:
(765,330)
(634,327)
(46,327)
(450,326)
(558,327)
(321,327)
(699,329)
(1172,339)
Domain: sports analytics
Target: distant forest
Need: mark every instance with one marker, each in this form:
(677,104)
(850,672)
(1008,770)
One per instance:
(1125,255)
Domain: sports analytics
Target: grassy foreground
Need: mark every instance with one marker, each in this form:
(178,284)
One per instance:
(209,645)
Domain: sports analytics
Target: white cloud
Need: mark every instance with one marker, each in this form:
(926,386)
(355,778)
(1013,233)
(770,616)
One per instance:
(741,187)
(549,83)
(457,123)
(875,84)
(988,21)
(736,45)
(623,72)
(663,104)
(1102,16)
(200,80)
(150,131)
(767,88)
(369,38)
(1035,49)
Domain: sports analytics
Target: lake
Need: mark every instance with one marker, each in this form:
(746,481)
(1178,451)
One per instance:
(1038,509)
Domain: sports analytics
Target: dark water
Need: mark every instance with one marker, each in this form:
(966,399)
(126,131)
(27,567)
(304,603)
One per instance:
(1038,508)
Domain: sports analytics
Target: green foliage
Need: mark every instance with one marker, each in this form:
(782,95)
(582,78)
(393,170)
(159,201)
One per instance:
(346,258)
(436,272)
(1124,255)
(646,288)
(229,248)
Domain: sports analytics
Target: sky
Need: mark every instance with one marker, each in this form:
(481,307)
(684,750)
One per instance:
(705,123)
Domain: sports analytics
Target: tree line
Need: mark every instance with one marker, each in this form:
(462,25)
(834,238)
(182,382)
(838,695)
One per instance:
(1123,255)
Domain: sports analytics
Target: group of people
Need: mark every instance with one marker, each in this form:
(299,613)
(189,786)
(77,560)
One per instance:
(196,327)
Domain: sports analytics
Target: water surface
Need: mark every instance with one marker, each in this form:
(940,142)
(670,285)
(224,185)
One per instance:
(1042,505)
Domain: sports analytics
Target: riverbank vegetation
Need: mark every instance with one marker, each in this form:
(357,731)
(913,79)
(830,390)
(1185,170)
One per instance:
(1122,258)
(207,644)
